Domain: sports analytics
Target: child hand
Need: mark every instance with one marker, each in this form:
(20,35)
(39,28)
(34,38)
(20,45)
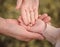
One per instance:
(45,18)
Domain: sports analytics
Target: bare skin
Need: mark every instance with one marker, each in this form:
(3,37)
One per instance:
(29,10)
(10,27)
(40,24)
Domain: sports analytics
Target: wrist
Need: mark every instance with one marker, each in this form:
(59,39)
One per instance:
(50,33)
(51,30)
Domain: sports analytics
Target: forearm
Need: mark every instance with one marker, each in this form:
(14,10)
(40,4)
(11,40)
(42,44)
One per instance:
(51,33)
(2,24)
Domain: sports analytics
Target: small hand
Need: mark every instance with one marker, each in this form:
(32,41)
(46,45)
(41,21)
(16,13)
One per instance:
(45,18)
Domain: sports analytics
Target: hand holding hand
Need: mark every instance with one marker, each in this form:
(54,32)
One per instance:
(40,24)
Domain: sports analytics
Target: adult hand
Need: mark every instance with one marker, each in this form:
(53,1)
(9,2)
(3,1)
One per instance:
(29,10)
(10,27)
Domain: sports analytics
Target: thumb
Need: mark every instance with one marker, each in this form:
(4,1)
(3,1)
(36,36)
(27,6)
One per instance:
(19,3)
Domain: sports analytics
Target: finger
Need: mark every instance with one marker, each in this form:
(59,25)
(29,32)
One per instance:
(43,16)
(36,14)
(21,22)
(24,16)
(32,16)
(39,17)
(30,24)
(33,35)
(35,8)
(22,38)
(19,3)
(28,16)
(17,36)
(20,19)
(47,19)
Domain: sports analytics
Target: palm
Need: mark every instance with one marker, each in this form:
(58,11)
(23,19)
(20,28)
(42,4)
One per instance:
(38,27)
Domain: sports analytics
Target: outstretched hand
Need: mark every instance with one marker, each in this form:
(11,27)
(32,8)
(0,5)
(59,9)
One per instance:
(29,10)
